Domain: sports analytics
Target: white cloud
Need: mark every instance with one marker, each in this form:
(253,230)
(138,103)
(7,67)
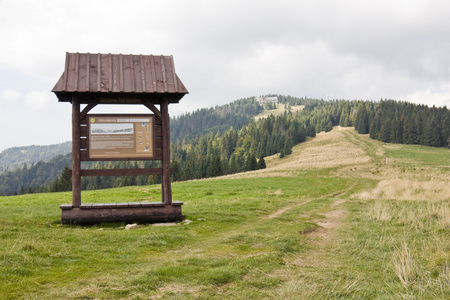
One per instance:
(10,95)
(439,96)
(36,100)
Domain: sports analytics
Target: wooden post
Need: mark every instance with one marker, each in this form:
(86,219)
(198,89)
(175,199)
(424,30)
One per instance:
(166,189)
(76,165)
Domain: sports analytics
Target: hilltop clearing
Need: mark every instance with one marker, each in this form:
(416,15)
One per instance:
(281,109)
(343,216)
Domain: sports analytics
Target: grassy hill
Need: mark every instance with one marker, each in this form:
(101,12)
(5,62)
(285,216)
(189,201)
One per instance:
(344,216)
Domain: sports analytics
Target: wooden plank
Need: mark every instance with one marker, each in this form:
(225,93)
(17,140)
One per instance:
(112,75)
(158,130)
(77,65)
(174,75)
(158,142)
(81,72)
(154,80)
(132,77)
(83,143)
(98,205)
(66,72)
(66,206)
(84,155)
(88,71)
(164,75)
(126,79)
(158,75)
(121,172)
(121,77)
(99,72)
(105,75)
(83,130)
(141,61)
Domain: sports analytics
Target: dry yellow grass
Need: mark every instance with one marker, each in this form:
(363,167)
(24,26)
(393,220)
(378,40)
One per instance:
(409,189)
(326,150)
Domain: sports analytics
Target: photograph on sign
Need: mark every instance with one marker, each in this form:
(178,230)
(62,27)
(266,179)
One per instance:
(121,136)
(111,128)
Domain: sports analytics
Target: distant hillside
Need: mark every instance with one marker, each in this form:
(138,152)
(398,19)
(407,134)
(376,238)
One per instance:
(16,157)
(33,178)
(215,119)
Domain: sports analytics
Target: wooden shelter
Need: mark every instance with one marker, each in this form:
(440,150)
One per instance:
(97,79)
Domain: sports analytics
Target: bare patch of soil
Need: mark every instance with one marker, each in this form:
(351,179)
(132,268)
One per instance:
(284,209)
(328,225)
(332,219)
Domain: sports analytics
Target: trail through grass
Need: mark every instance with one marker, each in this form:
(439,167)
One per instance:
(329,221)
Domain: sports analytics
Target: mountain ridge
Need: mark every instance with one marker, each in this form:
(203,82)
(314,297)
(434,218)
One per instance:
(16,157)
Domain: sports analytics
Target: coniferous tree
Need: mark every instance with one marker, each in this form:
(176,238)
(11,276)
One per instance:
(261,163)
(362,120)
(251,163)
(215,167)
(407,136)
(287,149)
(385,132)
(63,182)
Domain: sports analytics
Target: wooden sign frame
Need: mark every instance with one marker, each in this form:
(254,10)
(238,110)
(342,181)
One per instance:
(102,79)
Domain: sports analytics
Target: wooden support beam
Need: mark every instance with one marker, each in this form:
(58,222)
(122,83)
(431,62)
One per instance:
(166,188)
(88,107)
(153,108)
(76,165)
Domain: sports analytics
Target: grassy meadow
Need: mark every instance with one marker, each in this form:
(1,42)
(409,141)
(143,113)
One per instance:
(342,217)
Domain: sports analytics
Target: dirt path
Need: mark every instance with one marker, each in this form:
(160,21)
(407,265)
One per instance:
(333,217)
(284,209)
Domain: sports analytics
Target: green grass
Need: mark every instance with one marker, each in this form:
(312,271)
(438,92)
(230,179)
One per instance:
(236,247)
(421,157)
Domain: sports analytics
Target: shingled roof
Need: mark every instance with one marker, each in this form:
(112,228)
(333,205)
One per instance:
(90,76)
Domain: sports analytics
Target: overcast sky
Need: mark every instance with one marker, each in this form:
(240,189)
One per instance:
(224,51)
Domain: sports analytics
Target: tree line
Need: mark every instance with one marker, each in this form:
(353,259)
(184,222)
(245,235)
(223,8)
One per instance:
(392,121)
(239,150)
(215,119)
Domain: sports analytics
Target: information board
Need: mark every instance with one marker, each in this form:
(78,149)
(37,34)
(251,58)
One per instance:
(121,136)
